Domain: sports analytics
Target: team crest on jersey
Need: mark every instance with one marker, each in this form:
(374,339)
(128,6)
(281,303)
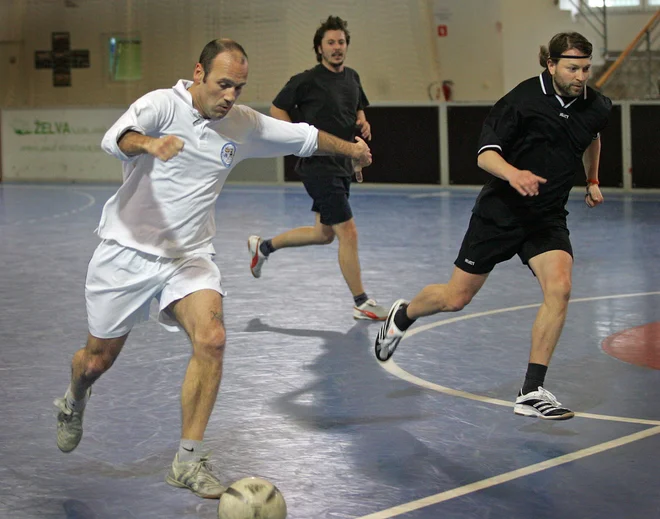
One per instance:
(227,154)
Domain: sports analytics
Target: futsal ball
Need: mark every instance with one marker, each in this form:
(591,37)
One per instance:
(252,498)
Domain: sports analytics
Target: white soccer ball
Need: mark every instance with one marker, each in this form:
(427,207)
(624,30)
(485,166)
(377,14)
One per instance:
(252,498)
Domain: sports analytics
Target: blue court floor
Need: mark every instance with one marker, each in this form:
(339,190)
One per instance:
(305,404)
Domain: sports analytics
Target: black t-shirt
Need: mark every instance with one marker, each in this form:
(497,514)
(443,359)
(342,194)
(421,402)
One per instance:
(330,102)
(535,129)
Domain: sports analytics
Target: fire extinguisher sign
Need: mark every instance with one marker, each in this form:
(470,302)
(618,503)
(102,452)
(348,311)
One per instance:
(442,31)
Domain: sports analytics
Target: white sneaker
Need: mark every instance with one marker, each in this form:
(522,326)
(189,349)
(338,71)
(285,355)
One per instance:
(370,310)
(69,424)
(542,404)
(389,335)
(196,476)
(256,256)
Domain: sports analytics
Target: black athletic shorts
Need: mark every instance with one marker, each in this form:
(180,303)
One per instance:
(330,194)
(486,244)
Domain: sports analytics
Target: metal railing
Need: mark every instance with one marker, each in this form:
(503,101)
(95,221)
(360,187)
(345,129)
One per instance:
(596,17)
(645,35)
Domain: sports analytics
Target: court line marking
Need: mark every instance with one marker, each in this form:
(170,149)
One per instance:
(90,202)
(510,476)
(397,371)
(391,367)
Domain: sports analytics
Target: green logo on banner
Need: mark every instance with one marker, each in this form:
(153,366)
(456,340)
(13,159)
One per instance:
(43,128)
(51,128)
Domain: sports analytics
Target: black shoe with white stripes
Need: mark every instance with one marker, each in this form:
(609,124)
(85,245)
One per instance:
(542,404)
(389,336)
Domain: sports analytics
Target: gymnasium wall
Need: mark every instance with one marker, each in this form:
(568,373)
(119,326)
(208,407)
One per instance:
(430,143)
(488,45)
(484,46)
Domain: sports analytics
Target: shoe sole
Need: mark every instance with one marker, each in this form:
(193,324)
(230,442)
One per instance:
(175,483)
(525,411)
(67,451)
(366,316)
(253,258)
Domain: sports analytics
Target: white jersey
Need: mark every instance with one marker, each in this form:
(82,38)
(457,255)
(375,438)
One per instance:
(167,208)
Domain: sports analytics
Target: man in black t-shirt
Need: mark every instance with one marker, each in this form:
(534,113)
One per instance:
(533,142)
(330,97)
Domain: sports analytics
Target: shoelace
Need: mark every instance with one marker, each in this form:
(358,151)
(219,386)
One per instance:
(65,410)
(549,396)
(203,463)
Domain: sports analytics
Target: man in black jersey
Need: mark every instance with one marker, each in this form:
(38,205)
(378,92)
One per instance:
(532,143)
(330,97)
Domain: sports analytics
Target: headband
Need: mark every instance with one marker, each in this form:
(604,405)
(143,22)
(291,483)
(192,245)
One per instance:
(567,56)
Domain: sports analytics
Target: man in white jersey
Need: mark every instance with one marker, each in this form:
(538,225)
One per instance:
(177,147)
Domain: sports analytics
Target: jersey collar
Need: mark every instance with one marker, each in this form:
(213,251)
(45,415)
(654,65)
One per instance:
(181,90)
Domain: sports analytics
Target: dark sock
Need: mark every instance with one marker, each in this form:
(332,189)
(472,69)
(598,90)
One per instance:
(534,378)
(401,319)
(266,247)
(361,299)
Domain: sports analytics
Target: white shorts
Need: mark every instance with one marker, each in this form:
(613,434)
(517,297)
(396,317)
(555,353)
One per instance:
(122,282)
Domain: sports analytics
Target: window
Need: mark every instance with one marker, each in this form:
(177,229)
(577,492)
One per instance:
(615,3)
(125,58)
(630,4)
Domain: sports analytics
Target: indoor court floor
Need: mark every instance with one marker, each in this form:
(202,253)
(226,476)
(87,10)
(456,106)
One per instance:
(305,404)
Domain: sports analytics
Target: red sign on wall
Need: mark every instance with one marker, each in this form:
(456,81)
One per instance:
(442,30)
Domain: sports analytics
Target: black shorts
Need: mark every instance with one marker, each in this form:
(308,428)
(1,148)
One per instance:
(330,194)
(486,244)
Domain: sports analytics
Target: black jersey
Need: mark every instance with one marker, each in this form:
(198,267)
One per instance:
(330,102)
(535,129)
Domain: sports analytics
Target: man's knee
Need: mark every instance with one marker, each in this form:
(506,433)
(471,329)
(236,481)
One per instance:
(346,231)
(98,364)
(101,355)
(458,300)
(326,237)
(324,233)
(210,342)
(558,291)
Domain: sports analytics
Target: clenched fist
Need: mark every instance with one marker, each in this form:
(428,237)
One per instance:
(166,147)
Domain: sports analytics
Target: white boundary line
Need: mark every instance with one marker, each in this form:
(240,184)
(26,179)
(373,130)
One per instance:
(392,368)
(395,370)
(510,476)
(90,202)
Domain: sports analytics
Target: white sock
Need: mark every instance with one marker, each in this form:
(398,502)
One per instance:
(75,405)
(190,450)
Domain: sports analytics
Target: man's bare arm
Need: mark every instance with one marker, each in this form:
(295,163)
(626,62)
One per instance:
(523,181)
(164,148)
(358,151)
(280,114)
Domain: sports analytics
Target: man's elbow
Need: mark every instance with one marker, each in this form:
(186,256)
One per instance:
(486,157)
(277,113)
(108,143)
(480,159)
(280,114)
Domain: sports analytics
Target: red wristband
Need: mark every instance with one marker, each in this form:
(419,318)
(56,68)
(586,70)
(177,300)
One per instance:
(595,182)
